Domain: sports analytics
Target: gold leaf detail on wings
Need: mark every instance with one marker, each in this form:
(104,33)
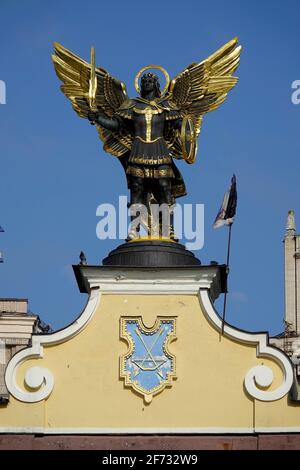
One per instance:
(202,87)
(75,74)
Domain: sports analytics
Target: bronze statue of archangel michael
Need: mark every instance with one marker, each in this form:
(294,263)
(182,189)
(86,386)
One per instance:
(148,132)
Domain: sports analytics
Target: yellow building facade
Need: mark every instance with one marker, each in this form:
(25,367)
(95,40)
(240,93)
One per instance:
(72,382)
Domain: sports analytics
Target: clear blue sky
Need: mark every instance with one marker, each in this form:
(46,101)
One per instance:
(54,172)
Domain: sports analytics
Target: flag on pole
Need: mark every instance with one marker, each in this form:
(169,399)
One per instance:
(228,208)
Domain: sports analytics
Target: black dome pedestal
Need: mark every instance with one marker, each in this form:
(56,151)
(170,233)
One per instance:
(151,253)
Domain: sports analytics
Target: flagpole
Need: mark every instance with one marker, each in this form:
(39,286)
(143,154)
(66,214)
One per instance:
(227,272)
(226,216)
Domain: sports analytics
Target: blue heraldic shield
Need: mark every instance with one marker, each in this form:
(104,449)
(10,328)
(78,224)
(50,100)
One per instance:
(148,367)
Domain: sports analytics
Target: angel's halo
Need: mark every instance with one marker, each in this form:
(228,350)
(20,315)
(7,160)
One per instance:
(147,67)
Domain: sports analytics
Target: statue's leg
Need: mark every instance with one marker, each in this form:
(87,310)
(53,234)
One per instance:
(165,197)
(164,191)
(137,190)
(137,204)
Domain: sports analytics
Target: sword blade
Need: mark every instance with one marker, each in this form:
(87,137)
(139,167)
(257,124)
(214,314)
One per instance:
(93,82)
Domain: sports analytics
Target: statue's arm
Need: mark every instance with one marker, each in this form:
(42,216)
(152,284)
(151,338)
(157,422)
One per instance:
(112,124)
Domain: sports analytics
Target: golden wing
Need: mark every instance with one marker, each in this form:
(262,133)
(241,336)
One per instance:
(75,74)
(202,87)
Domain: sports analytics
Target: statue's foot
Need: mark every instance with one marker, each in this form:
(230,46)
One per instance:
(132,235)
(173,236)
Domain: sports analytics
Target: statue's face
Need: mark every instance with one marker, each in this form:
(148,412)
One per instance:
(148,84)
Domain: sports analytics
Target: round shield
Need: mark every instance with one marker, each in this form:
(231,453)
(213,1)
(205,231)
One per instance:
(189,140)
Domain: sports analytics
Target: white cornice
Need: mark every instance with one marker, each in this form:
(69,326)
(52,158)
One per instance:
(122,431)
(149,431)
(113,280)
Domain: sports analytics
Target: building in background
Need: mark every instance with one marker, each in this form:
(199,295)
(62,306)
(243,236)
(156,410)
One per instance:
(289,340)
(17,325)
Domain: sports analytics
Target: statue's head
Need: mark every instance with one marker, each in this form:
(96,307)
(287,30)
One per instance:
(150,82)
